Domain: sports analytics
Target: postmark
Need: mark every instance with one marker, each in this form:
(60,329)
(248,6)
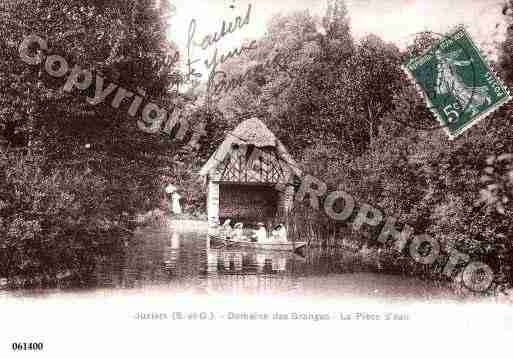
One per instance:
(457,84)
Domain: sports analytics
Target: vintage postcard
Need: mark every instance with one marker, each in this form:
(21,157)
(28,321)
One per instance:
(307,178)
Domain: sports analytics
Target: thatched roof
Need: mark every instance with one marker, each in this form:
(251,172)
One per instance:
(254,132)
(250,132)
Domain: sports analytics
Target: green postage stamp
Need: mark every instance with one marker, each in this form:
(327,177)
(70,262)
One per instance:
(458,85)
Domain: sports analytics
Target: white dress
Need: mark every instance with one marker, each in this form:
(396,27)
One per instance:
(261,235)
(175,198)
(237,234)
(170,189)
(280,235)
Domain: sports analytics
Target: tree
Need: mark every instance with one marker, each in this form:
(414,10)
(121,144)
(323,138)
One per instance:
(85,170)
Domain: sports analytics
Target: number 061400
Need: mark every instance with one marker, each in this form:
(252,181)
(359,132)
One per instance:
(27,346)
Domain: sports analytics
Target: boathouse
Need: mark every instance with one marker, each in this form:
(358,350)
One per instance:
(249,177)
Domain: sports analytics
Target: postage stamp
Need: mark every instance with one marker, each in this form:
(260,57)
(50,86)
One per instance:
(457,83)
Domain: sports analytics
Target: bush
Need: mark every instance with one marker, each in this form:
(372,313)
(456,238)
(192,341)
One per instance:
(54,223)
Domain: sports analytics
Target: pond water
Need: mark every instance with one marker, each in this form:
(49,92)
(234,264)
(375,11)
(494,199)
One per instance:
(184,262)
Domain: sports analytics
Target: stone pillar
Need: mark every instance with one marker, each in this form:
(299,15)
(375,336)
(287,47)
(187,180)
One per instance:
(213,202)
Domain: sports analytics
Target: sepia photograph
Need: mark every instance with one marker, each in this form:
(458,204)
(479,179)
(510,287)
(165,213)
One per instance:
(287,178)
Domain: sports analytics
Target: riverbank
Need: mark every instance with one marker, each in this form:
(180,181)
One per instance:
(187,225)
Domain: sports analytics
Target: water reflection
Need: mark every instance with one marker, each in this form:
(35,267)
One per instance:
(246,271)
(233,261)
(172,253)
(184,262)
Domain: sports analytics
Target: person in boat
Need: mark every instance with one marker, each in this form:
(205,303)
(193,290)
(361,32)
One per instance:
(260,234)
(226,228)
(279,234)
(237,233)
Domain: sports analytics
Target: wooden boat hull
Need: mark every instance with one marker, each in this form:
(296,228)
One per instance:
(283,247)
(219,239)
(290,246)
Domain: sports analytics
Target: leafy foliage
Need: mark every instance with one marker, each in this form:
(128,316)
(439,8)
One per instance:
(76,172)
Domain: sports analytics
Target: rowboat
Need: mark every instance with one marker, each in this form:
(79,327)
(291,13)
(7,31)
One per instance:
(218,240)
(286,246)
